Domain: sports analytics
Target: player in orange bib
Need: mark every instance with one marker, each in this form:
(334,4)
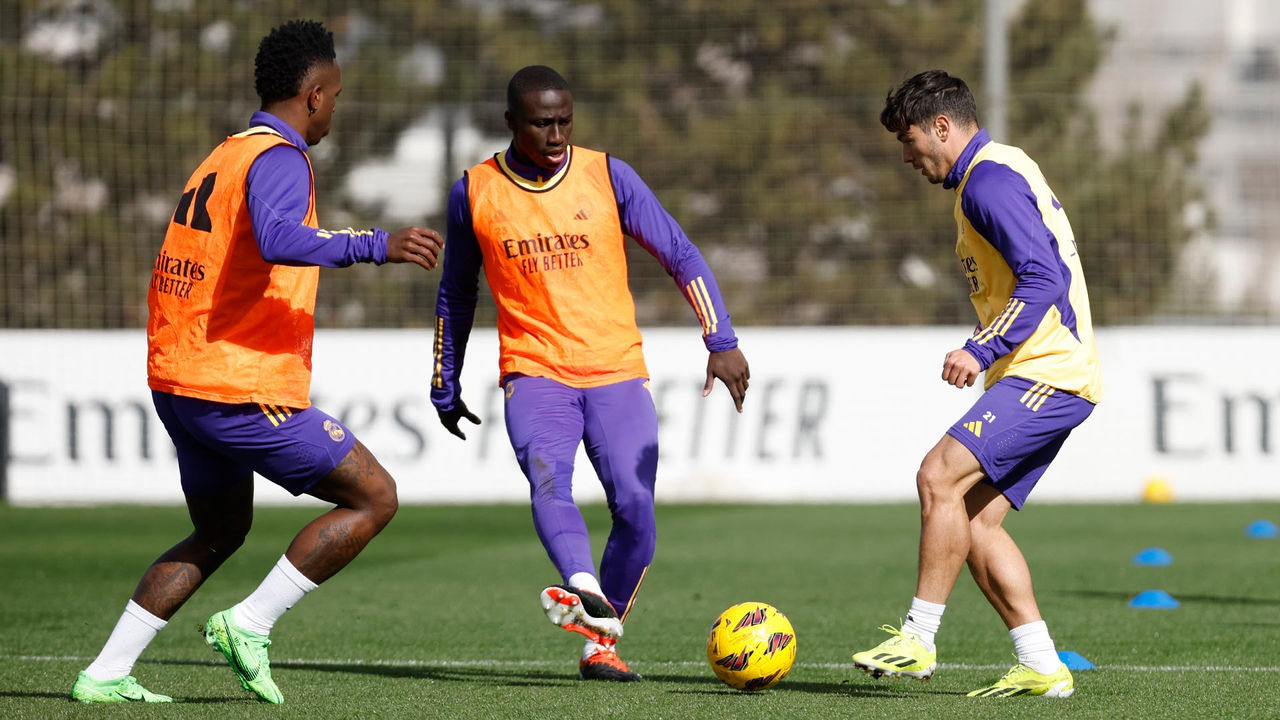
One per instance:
(232,303)
(546,221)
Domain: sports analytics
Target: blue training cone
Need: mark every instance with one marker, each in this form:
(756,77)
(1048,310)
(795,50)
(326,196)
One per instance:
(1154,600)
(1262,529)
(1074,660)
(1156,557)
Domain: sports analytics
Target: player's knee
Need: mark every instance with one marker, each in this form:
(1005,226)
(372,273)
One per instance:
(223,540)
(930,481)
(384,502)
(546,489)
(634,509)
(986,523)
(936,481)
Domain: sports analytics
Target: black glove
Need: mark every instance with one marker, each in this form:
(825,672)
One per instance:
(449,418)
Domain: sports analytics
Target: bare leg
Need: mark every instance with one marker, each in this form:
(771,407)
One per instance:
(220,523)
(365,496)
(946,474)
(995,560)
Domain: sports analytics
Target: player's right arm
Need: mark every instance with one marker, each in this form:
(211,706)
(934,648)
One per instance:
(279,196)
(455,311)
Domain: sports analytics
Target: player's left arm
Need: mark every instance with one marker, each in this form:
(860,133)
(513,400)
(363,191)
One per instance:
(1000,205)
(645,220)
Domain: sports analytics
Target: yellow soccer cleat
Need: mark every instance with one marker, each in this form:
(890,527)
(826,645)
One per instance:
(1022,680)
(902,655)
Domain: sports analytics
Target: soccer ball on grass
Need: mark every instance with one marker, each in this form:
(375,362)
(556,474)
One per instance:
(751,646)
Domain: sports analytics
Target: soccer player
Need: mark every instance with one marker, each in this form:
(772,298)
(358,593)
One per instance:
(546,220)
(1035,343)
(232,303)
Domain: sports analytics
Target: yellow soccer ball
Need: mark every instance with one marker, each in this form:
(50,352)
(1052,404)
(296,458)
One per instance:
(751,646)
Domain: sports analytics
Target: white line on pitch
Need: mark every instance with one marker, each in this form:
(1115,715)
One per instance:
(301,662)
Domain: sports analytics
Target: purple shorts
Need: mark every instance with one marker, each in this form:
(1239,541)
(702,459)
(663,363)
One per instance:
(220,444)
(1016,429)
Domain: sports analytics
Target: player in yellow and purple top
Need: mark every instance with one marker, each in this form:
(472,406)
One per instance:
(1035,343)
(546,220)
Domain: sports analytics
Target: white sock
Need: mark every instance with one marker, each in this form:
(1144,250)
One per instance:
(1034,647)
(283,587)
(923,619)
(592,647)
(586,581)
(135,629)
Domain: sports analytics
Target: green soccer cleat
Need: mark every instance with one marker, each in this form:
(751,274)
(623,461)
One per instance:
(902,655)
(247,653)
(1022,680)
(125,689)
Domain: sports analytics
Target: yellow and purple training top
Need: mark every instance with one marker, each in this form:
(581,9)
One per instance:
(1025,279)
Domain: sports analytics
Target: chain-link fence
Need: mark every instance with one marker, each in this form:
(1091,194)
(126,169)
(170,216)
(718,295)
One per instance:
(756,122)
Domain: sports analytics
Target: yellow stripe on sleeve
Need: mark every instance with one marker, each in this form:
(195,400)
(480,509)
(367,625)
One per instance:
(436,379)
(712,321)
(1012,315)
(1002,323)
(697,305)
(990,330)
(326,234)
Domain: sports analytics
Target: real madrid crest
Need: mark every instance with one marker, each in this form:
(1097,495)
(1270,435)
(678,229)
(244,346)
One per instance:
(336,433)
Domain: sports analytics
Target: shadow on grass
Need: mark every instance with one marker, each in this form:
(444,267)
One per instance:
(515,677)
(1127,595)
(52,696)
(66,697)
(715,687)
(533,677)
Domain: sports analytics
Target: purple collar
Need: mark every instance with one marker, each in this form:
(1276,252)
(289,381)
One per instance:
(286,130)
(961,167)
(527,170)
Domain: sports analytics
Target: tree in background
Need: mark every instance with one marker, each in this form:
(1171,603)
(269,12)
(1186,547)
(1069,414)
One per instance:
(757,126)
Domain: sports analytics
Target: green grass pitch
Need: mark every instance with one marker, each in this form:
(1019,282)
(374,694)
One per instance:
(439,617)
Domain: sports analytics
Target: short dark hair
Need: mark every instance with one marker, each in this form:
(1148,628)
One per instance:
(286,55)
(926,96)
(534,78)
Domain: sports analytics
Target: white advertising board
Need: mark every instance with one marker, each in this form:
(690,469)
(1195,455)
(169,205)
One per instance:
(833,415)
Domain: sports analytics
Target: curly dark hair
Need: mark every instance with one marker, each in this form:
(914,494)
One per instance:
(926,96)
(286,55)
(534,78)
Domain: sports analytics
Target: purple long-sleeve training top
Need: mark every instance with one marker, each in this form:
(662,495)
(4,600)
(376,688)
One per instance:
(279,193)
(643,218)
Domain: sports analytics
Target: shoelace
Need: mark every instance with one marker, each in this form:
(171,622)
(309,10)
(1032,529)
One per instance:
(898,634)
(1018,671)
(129,688)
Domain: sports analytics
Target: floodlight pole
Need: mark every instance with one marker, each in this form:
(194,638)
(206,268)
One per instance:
(4,442)
(995,60)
